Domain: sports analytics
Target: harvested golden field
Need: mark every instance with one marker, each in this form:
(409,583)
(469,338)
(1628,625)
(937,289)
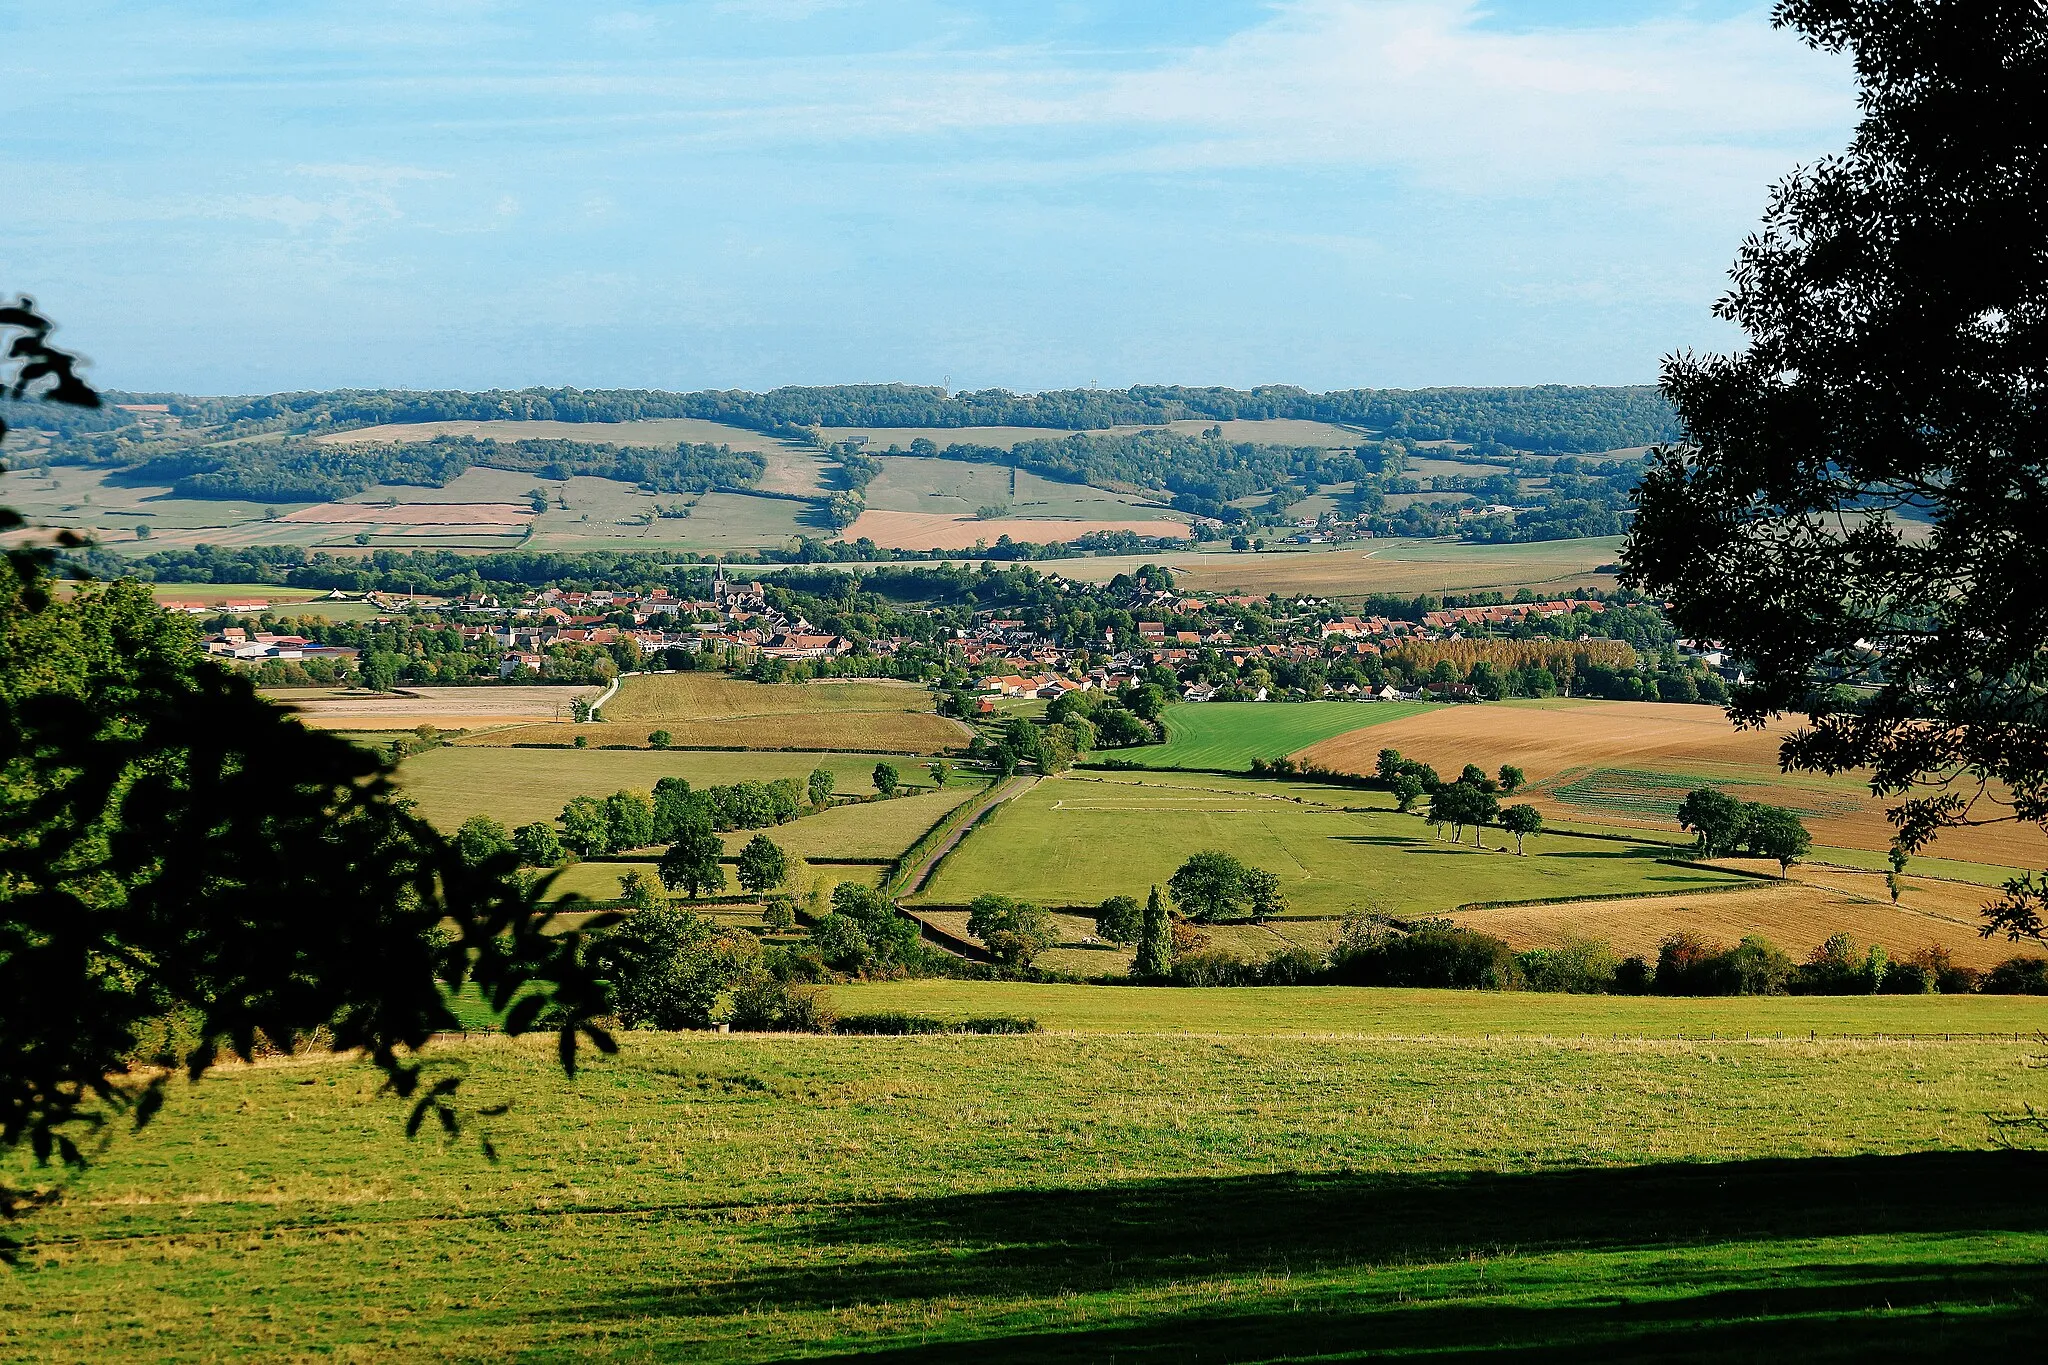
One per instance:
(448,708)
(1630,763)
(879,732)
(1795,916)
(712,696)
(940,531)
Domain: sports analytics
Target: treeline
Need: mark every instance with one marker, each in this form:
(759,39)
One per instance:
(312,471)
(1377,950)
(1550,418)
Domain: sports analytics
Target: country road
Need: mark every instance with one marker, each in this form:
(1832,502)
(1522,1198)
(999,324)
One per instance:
(1009,790)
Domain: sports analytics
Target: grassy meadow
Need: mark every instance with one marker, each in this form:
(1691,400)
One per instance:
(1228,735)
(1077,839)
(1199,1185)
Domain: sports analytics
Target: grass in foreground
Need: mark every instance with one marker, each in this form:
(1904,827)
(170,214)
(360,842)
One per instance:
(1071,1198)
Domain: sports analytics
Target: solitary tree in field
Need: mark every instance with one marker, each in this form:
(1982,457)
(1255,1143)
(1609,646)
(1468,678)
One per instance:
(1014,930)
(761,864)
(1511,778)
(1859,496)
(660,739)
(1715,818)
(1775,832)
(1155,941)
(1521,821)
(1213,886)
(819,786)
(691,864)
(886,778)
(1120,919)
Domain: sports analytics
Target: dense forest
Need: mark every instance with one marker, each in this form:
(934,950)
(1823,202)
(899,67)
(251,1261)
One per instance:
(307,471)
(1557,419)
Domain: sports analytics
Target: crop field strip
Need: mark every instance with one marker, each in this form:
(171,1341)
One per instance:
(1074,1196)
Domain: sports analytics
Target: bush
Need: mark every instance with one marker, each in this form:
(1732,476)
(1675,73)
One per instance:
(1580,966)
(1835,968)
(1633,977)
(1908,978)
(1940,967)
(1435,953)
(896,1023)
(669,967)
(765,1003)
(1689,965)
(1289,967)
(2017,976)
(1757,967)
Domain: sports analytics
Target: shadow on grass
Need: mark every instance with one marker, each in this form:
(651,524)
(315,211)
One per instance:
(1403,1250)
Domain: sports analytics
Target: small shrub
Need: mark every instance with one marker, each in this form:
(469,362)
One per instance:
(890,1024)
(895,1023)
(765,1003)
(1579,966)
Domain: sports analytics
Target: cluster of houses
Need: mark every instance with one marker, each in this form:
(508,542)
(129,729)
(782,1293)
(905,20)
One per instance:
(736,617)
(247,646)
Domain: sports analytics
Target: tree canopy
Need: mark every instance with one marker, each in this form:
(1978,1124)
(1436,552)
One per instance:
(181,860)
(1860,496)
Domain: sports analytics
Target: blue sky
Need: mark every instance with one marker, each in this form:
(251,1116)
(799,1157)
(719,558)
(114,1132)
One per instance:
(244,197)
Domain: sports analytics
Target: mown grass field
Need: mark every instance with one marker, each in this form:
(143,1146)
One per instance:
(520,785)
(1075,840)
(1228,735)
(1204,1187)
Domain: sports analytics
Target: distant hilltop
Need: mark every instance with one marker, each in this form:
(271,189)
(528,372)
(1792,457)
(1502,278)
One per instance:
(1557,419)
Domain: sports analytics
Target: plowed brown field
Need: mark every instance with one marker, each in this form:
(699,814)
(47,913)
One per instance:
(1554,742)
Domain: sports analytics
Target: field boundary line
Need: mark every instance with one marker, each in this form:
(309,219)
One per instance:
(964,817)
(609,693)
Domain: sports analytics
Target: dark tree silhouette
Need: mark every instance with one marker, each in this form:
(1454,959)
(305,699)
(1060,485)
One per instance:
(185,869)
(1861,495)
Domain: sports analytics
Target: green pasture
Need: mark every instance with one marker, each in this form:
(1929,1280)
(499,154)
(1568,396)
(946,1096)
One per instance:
(521,785)
(1386,1013)
(1228,735)
(1228,1194)
(1076,840)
